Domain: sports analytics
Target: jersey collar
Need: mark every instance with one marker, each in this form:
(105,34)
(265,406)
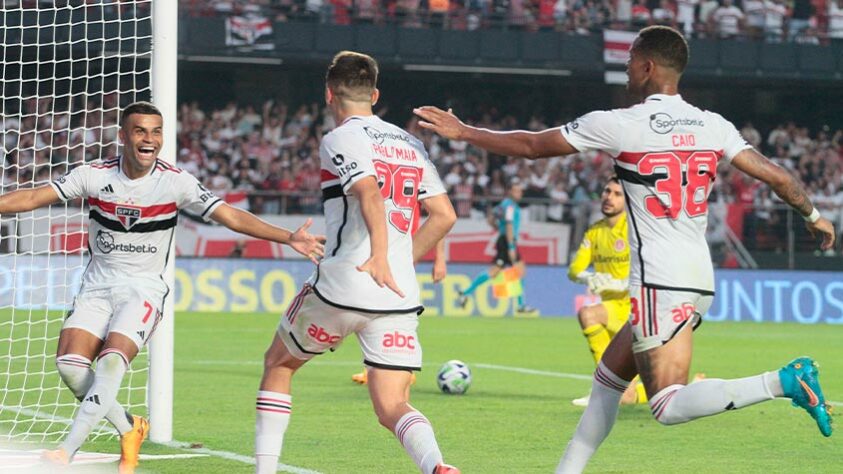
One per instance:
(123,173)
(661,97)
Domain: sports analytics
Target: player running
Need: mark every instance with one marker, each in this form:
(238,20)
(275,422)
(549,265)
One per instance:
(134,201)
(373,175)
(605,245)
(506,219)
(666,154)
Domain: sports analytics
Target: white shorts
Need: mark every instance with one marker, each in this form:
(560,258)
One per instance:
(312,327)
(659,315)
(133,311)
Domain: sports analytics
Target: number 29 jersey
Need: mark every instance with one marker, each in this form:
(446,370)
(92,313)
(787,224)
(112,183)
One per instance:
(666,153)
(366,146)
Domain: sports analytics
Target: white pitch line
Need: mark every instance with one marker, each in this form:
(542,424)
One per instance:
(235,457)
(522,370)
(505,368)
(173,444)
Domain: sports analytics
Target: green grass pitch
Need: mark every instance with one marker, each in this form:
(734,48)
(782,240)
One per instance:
(510,420)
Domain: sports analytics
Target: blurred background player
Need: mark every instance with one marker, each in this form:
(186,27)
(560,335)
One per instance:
(605,245)
(373,175)
(506,219)
(438,273)
(134,201)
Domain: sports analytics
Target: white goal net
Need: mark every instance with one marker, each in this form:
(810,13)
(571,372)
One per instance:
(68,66)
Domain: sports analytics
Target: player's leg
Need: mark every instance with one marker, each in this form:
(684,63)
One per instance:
(593,320)
(500,261)
(309,327)
(274,404)
(522,298)
(136,313)
(389,386)
(492,272)
(76,349)
(80,340)
(664,368)
(617,316)
(362,377)
(614,371)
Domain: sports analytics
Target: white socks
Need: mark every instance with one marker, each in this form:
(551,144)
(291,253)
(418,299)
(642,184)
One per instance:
(111,366)
(674,404)
(414,432)
(681,403)
(76,373)
(596,421)
(273,415)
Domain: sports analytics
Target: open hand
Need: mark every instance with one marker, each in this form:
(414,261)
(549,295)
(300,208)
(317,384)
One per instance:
(445,124)
(311,246)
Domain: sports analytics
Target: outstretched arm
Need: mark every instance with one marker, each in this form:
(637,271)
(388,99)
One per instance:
(787,187)
(24,200)
(530,145)
(244,222)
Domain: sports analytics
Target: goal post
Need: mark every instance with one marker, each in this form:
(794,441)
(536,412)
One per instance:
(67,70)
(164,95)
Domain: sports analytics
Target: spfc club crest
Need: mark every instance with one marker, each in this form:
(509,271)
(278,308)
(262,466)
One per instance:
(127,215)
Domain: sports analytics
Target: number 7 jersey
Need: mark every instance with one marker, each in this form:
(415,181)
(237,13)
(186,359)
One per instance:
(366,146)
(666,153)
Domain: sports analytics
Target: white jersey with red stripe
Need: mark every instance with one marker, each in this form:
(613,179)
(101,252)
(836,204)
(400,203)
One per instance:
(666,153)
(366,146)
(132,221)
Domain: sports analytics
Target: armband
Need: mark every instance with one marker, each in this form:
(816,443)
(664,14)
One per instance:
(813,217)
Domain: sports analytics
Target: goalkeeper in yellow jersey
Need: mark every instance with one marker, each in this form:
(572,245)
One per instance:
(605,247)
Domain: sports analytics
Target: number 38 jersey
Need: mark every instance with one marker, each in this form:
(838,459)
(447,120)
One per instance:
(666,153)
(366,146)
(132,221)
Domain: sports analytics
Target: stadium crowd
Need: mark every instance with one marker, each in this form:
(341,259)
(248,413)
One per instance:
(267,158)
(807,21)
(271,153)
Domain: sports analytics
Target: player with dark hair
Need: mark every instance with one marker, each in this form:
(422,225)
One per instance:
(605,245)
(134,201)
(666,154)
(373,176)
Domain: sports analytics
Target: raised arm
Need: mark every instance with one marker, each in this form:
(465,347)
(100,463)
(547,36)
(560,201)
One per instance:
(441,217)
(522,143)
(787,187)
(24,200)
(368,193)
(244,222)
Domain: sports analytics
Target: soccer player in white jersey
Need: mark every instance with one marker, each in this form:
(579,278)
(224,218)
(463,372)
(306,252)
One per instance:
(373,176)
(666,154)
(134,201)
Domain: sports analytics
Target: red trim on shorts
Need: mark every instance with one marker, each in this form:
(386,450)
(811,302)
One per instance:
(655,313)
(296,304)
(644,315)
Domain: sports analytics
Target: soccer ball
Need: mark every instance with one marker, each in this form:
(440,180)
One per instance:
(454,377)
